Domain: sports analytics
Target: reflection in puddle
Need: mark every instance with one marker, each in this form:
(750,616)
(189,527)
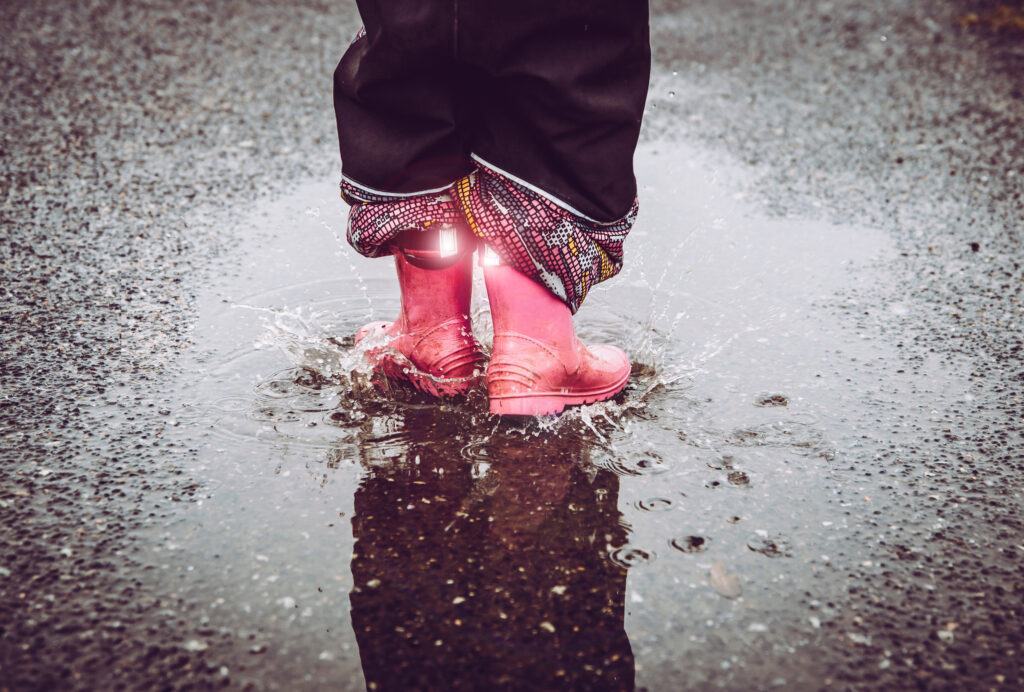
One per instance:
(498,580)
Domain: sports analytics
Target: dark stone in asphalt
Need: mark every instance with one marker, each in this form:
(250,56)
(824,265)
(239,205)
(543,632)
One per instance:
(135,132)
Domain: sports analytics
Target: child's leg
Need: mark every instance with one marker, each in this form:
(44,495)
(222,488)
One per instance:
(560,109)
(401,151)
(396,102)
(554,193)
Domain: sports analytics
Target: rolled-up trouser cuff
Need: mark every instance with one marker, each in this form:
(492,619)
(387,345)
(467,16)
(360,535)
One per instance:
(537,235)
(376,219)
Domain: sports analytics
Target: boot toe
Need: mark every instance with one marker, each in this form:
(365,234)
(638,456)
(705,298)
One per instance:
(612,358)
(608,368)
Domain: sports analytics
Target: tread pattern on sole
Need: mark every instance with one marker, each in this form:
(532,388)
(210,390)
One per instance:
(546,404)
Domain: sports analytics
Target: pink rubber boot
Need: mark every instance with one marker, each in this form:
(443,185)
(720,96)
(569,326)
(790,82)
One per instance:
(432,345)
(538,366)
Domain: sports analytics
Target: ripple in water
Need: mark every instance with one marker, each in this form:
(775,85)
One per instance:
(385,449)
(345,418)
(654,504)
(738,478)
(477,451)
(769,400)
(794,434)
(690,544)
(628,556)
(724,463)
(275,415)
(770,546)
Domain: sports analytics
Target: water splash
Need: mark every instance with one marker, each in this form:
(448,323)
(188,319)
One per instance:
(304,340)
(314,212)
(328,382)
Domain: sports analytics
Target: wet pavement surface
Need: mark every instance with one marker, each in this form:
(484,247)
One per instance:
(813,480)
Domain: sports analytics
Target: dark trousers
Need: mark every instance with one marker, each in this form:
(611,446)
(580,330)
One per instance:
(549,92)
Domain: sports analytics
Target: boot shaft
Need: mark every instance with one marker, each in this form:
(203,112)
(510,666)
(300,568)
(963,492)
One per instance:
(522,306)
(432,296)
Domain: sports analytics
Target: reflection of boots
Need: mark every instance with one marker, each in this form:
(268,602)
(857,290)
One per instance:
(538,366)
(433,345)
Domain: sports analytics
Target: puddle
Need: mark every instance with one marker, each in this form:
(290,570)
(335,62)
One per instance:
(356,537)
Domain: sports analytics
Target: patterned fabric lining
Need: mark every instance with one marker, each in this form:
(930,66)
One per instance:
(551,245)
(376,219)
(558,249)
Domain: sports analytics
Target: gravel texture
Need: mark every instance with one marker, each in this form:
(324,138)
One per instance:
(136,133)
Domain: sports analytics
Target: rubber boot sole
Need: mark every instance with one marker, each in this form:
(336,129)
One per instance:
(401,369)
(550,403)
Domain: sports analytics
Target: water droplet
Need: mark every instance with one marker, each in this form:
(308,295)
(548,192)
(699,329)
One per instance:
(627,556)
(770,546)
(654,504)
(738,478)
(690,544)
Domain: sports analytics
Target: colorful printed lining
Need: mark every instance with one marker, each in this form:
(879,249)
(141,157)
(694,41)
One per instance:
(553,246)
(376,218)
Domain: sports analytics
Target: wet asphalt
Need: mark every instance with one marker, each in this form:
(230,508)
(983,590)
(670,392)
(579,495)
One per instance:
(138,137)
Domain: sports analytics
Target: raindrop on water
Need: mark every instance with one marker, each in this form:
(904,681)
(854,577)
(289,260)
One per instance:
(654,504)
(770,546)
(630,557)
(690,544)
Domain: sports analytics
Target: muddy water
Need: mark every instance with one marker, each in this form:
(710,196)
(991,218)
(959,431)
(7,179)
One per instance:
(697,528)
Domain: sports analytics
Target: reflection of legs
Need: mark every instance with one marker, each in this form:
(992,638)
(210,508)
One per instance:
(489,581)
